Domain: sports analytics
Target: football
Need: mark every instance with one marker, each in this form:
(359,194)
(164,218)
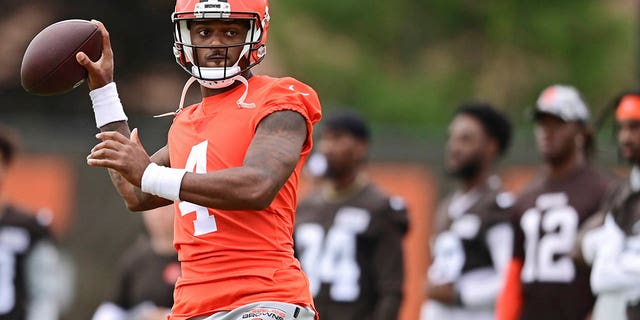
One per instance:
(49,65)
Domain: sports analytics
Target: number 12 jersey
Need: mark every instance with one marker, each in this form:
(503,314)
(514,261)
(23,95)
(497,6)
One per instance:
(548,215)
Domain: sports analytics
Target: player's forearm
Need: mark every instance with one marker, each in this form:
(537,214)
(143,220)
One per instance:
(132,195)
(241,188)
(134,198)
(125,189)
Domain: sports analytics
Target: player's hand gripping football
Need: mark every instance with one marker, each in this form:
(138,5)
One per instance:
(126,156)
(101,71)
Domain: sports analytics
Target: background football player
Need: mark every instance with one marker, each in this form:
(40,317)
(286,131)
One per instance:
(543,282)
(614,248)
(472,234)
(147,273)
(35,279)
(349,233)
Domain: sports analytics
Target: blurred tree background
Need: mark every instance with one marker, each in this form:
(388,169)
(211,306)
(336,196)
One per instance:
(419,59)
(404,64)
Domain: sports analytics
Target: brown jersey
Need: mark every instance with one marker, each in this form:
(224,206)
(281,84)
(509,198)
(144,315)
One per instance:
(548,215)
(466,219)
(351,251)
(146,276)
(19,233)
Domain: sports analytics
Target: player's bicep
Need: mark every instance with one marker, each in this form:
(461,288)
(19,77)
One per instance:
(276,146)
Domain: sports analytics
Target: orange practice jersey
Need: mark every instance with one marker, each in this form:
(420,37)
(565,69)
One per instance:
(232,258)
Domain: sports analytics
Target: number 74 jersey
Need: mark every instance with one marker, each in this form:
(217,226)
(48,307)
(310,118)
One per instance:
(351,250)
(548,215)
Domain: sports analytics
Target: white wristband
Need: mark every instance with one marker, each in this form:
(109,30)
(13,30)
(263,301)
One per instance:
(106,105)
(162,181)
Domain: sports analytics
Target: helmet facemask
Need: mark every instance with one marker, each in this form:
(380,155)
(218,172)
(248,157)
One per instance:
(253,47)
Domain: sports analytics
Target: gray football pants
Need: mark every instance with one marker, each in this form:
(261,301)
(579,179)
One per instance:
(266,310)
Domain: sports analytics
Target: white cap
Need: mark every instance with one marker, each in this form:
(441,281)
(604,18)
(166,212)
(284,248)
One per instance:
(563,102)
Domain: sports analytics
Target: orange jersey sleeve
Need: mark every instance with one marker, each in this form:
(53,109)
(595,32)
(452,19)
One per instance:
(231,258)
(509,303)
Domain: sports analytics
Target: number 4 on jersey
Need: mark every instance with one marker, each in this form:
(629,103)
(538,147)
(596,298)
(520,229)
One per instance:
(197,163)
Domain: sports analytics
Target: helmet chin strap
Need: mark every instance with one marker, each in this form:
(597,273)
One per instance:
(241,103)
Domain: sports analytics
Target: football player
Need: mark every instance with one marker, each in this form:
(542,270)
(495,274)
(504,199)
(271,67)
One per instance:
(349,233)
(231,164)
(472,234)
(543,282)
(35,280)
(614,247)
(147,273)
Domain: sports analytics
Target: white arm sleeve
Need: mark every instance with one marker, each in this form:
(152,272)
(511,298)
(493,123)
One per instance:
(480,288)
(49,282)
(607,273)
